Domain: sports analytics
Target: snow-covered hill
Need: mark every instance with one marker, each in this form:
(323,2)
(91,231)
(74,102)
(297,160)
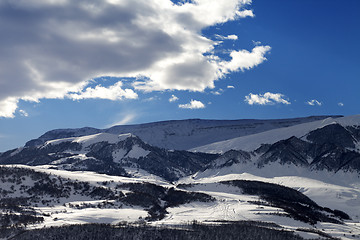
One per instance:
(182,134)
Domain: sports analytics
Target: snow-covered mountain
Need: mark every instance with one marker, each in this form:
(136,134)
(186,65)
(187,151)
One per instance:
(253,141)
(330,145)
(110,154)
(302,174)
(182,134)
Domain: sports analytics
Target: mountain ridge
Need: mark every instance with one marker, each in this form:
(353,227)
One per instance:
(182,134)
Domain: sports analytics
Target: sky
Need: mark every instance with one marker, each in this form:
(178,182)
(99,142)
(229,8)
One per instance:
(99,63)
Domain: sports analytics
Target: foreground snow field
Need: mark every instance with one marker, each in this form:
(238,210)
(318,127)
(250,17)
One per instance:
(231,203)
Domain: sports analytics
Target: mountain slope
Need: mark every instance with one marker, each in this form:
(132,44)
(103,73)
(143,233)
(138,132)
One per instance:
(330,148)
(254,141)
(182,134)
(110,154)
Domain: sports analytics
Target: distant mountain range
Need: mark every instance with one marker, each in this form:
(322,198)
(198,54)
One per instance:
(330,144)
(182,134)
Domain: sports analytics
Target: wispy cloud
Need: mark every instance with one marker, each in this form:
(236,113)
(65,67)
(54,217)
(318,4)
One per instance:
(230,87)
(173,98)
(194,104)
(218,92)
(266,99)
(314,102)
(229,37)
(124,119)
(340,104)
(151,99)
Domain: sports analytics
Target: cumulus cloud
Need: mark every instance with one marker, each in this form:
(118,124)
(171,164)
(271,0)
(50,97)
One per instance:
(244,60)
(314,102)
(194,104)
(158,43)
(266,99)
(8,107)
(173,98)
(114,92)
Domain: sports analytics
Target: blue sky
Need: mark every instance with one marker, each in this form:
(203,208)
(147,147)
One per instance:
(100,63)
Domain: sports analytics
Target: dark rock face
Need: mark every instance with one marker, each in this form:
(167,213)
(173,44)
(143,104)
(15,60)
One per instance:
(231,157)
(332,134)
(292,150)
(330,149)
(171,165)
(355,131)
(39,155)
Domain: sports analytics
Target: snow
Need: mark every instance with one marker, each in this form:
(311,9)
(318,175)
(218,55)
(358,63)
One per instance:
(96,178)
(88,140)
(102,137)
(60,215)
(185,134)
(254,141)
(118,155)
(337,191)
(137,152)
(18,150)
(349,120)
(231,203)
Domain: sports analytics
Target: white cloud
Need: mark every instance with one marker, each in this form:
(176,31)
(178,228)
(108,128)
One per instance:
(69,42)
(340,104)
(246,13)
(23,113)
(266,99)
(150,99)
(218,92)
(230,87)
(114,92)
(194,104)
(229,37)
(8,107)
(314,102)
(173,98)
(244,60)
(256,43)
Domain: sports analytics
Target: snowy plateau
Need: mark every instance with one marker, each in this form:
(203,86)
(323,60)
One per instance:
(283,179)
